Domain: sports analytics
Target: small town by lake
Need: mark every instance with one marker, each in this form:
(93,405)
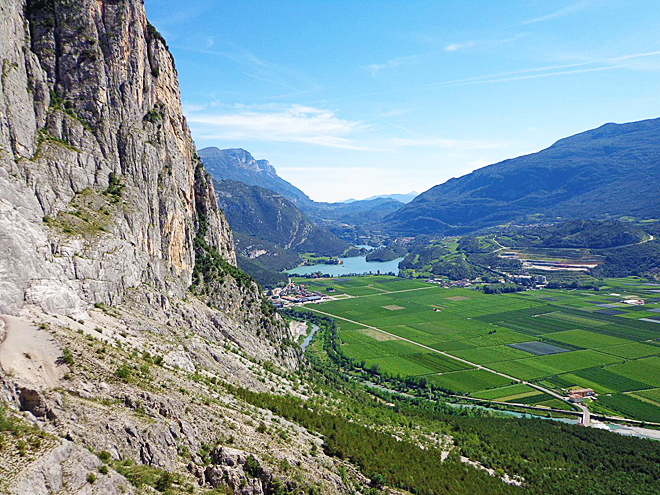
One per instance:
(357,265)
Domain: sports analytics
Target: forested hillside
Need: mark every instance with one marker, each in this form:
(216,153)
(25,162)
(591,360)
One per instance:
(577,234)
(271,231)
(610,171)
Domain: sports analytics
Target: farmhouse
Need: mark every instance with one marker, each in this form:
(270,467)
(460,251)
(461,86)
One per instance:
(580,393)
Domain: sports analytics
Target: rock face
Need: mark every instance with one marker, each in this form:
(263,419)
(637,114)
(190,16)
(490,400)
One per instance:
(89,91)
(103,199)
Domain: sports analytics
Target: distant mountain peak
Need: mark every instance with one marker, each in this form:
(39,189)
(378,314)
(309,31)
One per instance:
(239,165)
(239,157)
(402,198)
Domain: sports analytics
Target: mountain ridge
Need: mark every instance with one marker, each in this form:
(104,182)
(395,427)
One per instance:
(264,220)
(403,198)
(605,172)
(239,165)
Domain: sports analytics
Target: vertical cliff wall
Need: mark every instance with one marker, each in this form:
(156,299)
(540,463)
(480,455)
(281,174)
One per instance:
(100,184)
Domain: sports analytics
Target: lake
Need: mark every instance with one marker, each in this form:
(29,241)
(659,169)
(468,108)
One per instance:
(358,265)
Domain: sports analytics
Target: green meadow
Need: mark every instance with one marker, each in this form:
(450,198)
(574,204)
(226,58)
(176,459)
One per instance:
(460,339)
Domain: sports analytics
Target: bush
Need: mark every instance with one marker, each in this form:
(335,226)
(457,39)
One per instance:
(104,456)
(378,480)
(164,482)
(115,187)
(67,357)
(252,467)
(141,475)
(124,372)
(91,478)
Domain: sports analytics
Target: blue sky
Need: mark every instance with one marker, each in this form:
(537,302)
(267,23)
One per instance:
(357,98)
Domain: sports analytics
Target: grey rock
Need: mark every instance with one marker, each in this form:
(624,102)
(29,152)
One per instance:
(179,359)
(66,467)
(88,89)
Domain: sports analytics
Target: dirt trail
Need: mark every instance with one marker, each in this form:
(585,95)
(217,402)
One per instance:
(29,353)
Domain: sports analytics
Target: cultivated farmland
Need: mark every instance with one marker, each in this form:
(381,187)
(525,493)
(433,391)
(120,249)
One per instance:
(561,338)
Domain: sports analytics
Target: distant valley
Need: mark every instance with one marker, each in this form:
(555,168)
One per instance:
(609,172)
(602,174)
(275,224)
(350,221)
(270,231)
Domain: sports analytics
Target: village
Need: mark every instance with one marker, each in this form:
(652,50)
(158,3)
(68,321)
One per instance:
(294,294)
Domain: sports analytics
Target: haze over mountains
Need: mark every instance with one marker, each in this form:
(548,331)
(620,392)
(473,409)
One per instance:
(238,164)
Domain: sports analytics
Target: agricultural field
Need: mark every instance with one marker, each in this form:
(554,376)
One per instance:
(506,393)
(359,286)
(467,342)
(652,395)
(473,380)
(628,406)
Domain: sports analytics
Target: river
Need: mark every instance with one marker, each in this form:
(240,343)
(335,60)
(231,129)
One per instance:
(309,338)
(634,431)
(356,265)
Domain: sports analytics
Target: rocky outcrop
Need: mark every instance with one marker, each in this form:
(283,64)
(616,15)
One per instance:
(101,189)
(147,395)
(240,165)
(68,467)
(241,472)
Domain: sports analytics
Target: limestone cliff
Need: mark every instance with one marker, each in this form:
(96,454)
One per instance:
(89,91)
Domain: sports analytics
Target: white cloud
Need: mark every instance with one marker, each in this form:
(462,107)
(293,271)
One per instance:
(193,107)
(444,143)
(571,9)
(483,43)
(296,124)
(395,62)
